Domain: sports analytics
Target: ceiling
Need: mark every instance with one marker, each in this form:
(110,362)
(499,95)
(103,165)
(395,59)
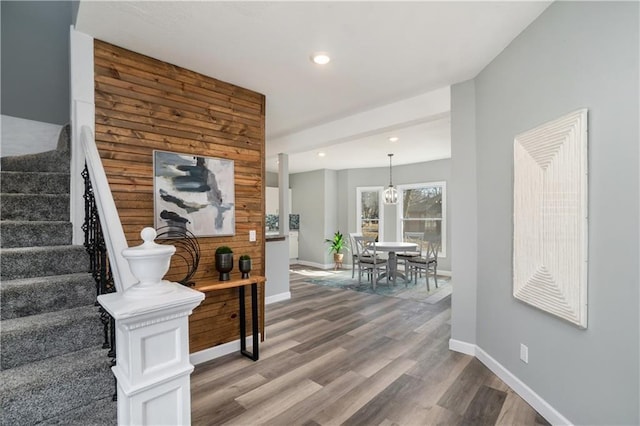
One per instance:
(391,65)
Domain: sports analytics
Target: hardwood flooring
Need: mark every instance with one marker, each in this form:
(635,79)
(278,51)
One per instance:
(334,356)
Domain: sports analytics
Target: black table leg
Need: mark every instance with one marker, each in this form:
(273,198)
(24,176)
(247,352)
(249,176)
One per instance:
(243,320)
(254,319)
(254,322)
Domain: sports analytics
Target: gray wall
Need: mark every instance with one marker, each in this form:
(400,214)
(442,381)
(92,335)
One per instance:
(277,267)
(272,179)
(326,201)
(35,60)
(308,199)
(464,224)
(576,54)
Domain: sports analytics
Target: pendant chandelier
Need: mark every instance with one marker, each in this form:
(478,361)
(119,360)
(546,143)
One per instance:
(390,194)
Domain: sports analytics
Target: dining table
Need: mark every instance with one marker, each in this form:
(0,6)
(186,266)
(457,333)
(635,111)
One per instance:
(392,247)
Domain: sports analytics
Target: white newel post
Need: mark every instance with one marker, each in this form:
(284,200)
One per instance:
(152,339)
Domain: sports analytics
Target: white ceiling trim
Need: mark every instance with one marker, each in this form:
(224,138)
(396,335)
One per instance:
(394,116)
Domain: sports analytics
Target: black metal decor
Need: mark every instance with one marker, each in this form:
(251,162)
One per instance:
(99,264)
(187,249)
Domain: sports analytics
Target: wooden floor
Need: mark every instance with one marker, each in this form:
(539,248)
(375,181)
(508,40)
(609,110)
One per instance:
(335,356)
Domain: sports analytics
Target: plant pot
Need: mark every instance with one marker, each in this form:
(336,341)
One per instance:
(337,257)
(224,265)
(245,267)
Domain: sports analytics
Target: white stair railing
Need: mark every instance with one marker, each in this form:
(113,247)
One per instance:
(114,237)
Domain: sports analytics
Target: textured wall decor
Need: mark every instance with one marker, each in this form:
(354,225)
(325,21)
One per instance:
(194,193)
(550,217)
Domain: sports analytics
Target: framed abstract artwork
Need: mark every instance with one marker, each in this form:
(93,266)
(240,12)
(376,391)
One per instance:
(550,217)
(194,193)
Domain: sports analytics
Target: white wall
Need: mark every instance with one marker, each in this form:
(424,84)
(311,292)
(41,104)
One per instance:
(21,136)
(575,55)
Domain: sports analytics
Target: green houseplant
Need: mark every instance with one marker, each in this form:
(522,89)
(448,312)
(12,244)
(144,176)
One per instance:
(244,264)
(224,262)
(336,245)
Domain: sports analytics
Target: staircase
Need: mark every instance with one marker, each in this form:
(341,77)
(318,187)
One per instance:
(54,370)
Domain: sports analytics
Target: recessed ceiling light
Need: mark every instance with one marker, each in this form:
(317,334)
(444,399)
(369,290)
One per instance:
(320,58)
(321,154)
(394,139)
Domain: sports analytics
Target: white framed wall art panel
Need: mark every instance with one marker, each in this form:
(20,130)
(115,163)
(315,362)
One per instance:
(550,217)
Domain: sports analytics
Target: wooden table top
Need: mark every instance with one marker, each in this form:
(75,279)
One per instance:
(212,284)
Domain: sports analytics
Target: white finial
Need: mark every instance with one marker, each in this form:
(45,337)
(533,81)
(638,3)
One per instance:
(148,234)
(148,263)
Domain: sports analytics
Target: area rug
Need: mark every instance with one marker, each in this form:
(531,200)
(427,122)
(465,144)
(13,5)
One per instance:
(342,279)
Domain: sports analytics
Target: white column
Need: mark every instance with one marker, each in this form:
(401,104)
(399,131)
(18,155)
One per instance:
(283,184)
(152,339)
(152,356)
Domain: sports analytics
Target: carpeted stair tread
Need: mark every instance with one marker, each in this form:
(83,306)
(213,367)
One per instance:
(14,182)
(30,233)
(49,161)
(36,337)
(41,390)
(33,296)
(35,207)
(102,412)
(28,262)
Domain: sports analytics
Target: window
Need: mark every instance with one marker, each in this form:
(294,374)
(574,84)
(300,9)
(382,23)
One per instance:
(369,214)
(422,208)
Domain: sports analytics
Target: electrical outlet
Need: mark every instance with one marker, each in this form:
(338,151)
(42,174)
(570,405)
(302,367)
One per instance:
(524,353)
(252,236)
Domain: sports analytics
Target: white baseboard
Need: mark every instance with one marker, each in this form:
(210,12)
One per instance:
(545,409)
(316,265)
(277,297)
(444,273)
(540,405)
(218,351)
(462,347)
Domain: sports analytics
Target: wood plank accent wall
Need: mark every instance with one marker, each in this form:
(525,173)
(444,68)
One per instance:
(144,104)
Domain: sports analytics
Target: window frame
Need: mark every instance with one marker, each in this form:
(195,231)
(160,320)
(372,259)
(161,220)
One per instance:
(359,191)
(400,214)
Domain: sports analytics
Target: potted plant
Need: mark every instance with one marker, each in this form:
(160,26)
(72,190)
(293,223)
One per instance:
(336,245)
(224,262)
(244,264)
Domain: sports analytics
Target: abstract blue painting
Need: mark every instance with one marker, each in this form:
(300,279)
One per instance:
(194,192)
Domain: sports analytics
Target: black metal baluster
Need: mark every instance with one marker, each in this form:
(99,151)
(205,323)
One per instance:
(99,265)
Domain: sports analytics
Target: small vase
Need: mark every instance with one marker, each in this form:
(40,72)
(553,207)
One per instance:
(245,267)
(224,265)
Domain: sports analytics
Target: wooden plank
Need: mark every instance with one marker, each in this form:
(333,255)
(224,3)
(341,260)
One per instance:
(143,105)
(155,66)
(206,121)
(137,76)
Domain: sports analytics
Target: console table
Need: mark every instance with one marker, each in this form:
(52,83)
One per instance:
(212,284)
